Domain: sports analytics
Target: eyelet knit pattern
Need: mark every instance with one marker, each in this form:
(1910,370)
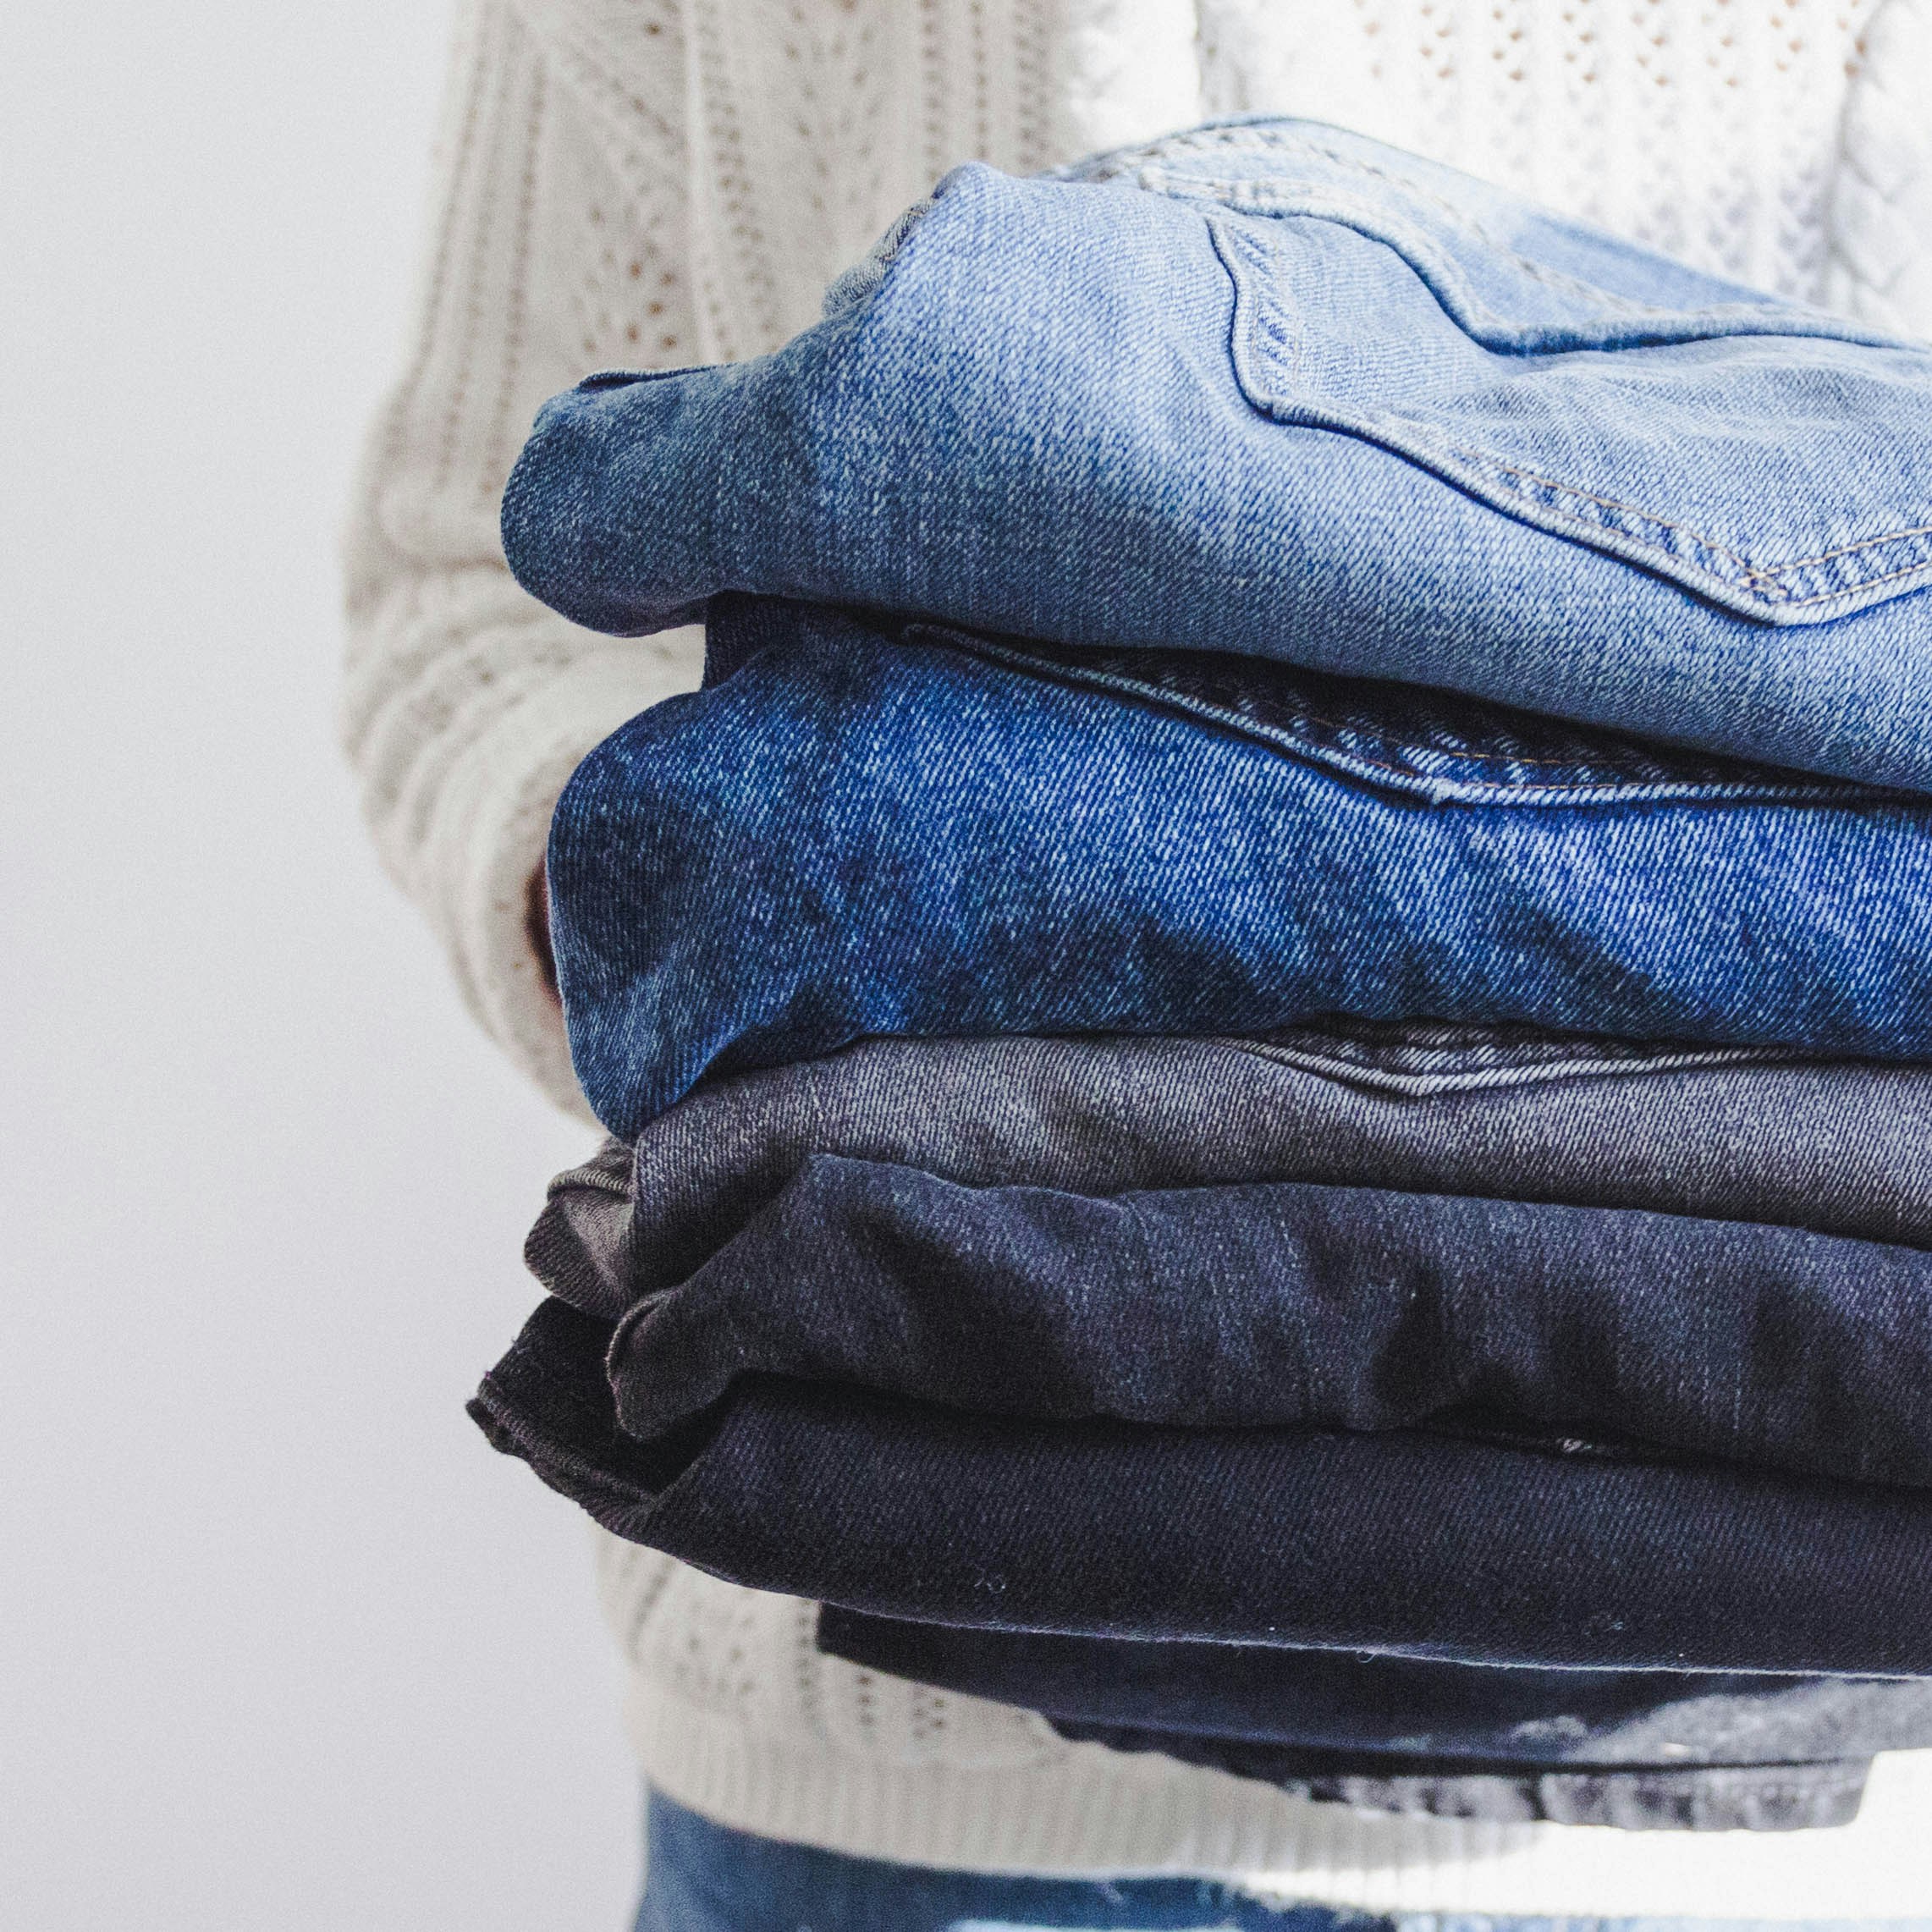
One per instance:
(1708,130)
(651,183)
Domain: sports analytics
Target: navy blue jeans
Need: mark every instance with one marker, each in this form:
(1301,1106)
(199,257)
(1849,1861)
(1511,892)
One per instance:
(1286,1304)
(706,1878)
(1644,1750)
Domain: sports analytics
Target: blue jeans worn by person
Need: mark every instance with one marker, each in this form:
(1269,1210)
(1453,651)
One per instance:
(846,834)
(1272,387)
(704,1877)
(1395,1541)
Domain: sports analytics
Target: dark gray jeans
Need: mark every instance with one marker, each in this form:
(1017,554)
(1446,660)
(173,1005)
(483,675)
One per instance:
(1842,1149)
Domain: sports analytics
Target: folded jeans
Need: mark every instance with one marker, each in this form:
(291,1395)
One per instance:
(1428,1545)
(1275,388)
(850,835)
(1286,1304)
(1840,1148)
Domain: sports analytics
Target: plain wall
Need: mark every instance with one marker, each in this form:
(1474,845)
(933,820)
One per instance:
(282,1642)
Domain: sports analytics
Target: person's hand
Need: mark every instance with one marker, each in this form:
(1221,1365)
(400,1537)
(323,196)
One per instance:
(536,928)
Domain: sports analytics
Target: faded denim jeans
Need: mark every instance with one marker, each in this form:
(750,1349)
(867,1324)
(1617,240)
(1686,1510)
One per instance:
(1842,1149)
(1274,389)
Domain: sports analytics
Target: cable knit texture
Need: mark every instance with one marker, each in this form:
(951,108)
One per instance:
(649,183)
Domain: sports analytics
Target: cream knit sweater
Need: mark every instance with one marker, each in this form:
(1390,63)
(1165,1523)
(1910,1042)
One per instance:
(643,183)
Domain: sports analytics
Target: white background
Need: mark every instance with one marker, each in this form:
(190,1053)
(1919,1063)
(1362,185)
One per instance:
(282,1644)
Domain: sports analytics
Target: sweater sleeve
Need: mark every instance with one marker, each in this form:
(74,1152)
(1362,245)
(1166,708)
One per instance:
(557,247)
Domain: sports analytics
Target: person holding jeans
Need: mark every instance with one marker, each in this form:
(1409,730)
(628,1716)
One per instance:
(648,184)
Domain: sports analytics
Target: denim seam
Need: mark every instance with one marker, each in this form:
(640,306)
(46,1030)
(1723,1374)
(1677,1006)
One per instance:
(1158,180)
(1845,549)
(1581,796)
(1459,466)
(587,1180)
(1750,568)
(1239,196)
(1230,193)
(1388,431)
(1834,329)
(1469,757)
(1429,1085)
(1261,308)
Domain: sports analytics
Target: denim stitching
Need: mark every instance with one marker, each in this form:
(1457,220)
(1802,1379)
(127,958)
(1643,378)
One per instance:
(1267,319)
(1755,575)
(1848,549)
(1745,564)
(1427,1085)
(1232,194)
(1434,789)
(1761,578)
(1158,182)
(1413,746)
(1390,433)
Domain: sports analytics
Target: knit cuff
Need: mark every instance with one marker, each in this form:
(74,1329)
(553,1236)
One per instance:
(493,820)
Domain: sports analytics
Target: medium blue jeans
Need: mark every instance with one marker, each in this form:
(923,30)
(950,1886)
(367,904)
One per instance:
(706,1878)
(849,834)
(1275,388)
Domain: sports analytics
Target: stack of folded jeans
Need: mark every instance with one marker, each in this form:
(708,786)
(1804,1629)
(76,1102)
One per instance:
(1260,1034)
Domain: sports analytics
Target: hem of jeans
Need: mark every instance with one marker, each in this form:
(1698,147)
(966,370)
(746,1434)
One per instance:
(1090,1813)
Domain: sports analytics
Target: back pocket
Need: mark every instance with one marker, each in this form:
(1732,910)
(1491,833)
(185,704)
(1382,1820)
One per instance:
(1775,460)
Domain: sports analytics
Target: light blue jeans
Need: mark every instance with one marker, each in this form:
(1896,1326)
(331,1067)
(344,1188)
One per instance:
(705,1878)
(1274,389)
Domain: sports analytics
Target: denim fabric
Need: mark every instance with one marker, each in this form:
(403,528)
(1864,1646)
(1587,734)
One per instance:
(847,836)
(1400,1707)
(1296,1306)
(1469,1550)
(1278,389)
(1648,1750)
(704,1877)
(1843,1148)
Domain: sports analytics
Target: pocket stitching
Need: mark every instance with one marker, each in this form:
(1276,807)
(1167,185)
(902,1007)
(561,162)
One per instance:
(1227,193)
(1266,319)
(1762,578)
(1849,549)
